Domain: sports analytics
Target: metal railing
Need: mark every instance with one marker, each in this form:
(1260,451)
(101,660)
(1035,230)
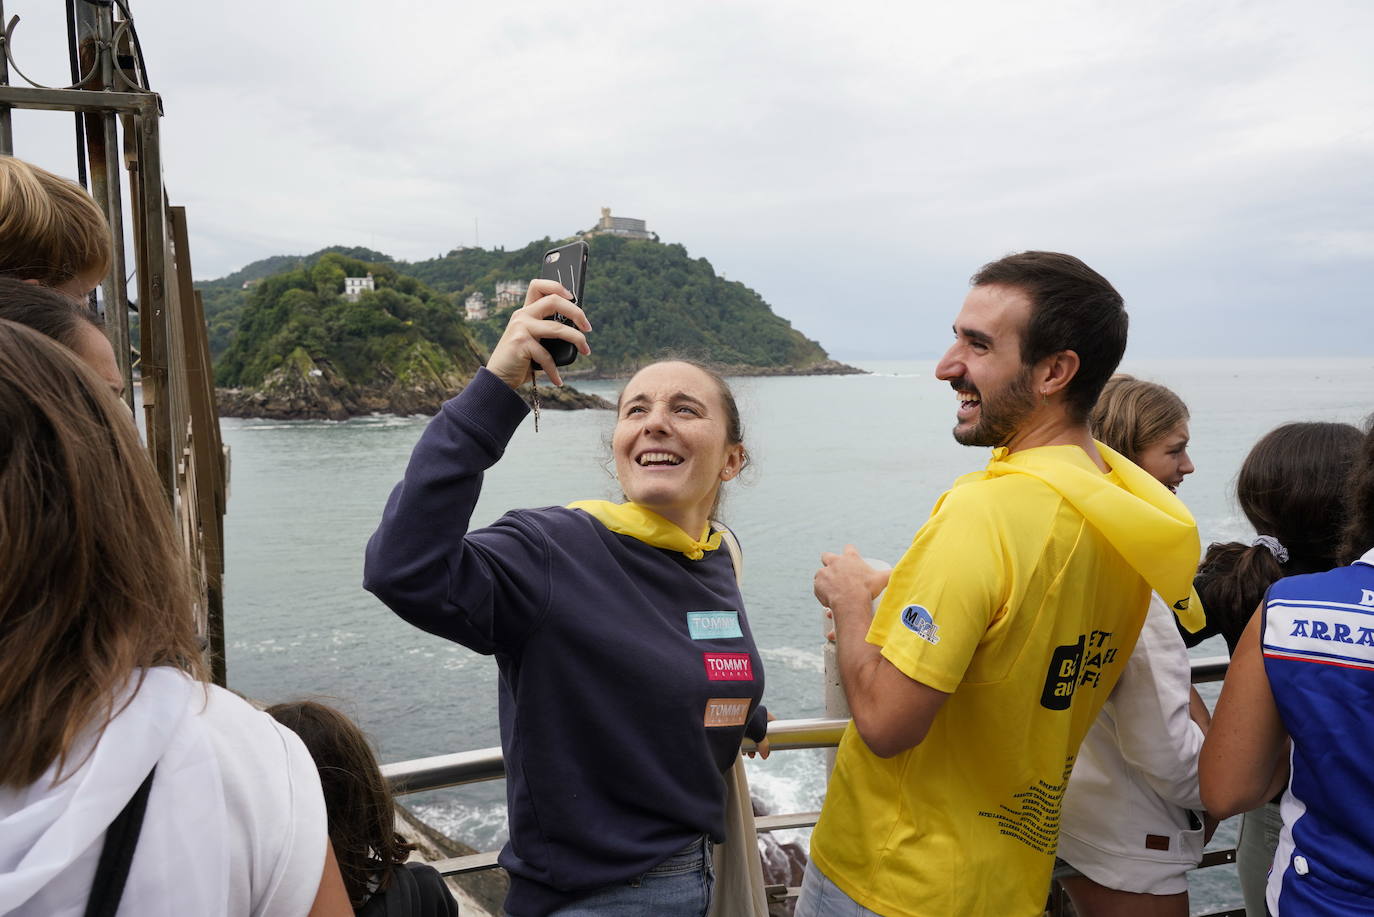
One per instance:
(468,767)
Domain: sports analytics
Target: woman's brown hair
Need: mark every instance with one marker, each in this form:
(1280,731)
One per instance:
(1359,527)
(1292,487)
(94,583)
(45,311)
(1132,414)
(362,816)
(51,230)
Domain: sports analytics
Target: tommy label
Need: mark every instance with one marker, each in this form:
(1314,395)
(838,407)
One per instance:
(713,625)
(726,711)
(728,666)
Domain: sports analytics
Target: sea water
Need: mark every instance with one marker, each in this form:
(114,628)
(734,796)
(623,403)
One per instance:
(833,460)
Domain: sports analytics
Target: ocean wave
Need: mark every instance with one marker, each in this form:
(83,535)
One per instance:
(794,658)
(479,825)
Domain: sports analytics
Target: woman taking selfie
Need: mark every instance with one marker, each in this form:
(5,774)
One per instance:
(628,672)
(124,776)
(1131,828)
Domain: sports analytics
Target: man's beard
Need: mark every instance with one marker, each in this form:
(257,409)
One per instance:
(1001,415)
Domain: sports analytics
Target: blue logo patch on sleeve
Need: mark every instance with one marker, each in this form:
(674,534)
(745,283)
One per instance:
(921,623)
(713,625)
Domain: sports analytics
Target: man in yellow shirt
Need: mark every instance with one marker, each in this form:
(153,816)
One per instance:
(1003,627)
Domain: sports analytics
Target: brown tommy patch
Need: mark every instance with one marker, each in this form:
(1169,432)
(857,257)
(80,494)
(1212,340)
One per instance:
(726,711)
(1156,842)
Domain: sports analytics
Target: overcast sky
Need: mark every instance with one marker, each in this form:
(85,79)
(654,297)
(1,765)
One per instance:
(852,162)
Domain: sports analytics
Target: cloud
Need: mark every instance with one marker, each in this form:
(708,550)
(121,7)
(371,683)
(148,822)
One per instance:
(853,162)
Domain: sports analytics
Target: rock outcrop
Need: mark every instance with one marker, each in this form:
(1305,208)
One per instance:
(306,389)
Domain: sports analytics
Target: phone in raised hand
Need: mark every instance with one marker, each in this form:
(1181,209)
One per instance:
(568,265)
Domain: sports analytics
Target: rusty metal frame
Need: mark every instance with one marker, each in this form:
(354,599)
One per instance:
(181,420)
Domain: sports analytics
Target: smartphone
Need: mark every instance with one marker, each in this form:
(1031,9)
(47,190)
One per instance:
(568,265)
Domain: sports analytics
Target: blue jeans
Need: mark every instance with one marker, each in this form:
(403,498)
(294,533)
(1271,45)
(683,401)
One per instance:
(822,898)
(680,886)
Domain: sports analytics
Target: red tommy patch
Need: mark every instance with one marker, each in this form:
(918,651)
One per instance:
(728,666)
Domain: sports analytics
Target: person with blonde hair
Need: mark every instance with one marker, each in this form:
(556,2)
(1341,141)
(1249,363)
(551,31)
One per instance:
(51,231)
(125,777)
(54,236)
(1132,824)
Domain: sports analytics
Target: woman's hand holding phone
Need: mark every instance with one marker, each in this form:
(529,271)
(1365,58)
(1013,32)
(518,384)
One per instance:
(517,353)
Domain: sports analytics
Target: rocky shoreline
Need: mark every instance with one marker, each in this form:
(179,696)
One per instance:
(305,390)
(826,368)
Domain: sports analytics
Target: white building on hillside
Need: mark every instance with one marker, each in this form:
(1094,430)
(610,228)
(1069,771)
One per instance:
(475,307)
(510,294)
(354,286)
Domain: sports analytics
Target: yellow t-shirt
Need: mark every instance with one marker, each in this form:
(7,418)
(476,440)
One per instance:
(1015,604)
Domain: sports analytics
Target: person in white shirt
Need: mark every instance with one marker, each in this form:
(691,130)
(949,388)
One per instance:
(1132,823)
(116,751)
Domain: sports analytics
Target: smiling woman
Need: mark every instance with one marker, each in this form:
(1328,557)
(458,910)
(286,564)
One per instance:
(677,437)
(628,671)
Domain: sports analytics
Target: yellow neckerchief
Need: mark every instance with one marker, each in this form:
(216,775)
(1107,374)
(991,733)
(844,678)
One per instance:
(649,527)
(1142,519)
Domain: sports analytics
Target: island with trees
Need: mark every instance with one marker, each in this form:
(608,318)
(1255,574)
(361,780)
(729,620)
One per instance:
(344,332)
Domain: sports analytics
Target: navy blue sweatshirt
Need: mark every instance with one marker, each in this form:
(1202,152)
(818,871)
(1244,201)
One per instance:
(628,672)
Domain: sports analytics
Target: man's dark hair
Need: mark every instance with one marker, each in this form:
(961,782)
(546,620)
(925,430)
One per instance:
(1072,308)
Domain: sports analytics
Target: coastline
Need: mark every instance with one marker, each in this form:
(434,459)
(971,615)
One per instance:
(319,395)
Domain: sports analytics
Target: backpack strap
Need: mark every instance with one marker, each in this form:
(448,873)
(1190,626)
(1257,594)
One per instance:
(117,853)
(731,543)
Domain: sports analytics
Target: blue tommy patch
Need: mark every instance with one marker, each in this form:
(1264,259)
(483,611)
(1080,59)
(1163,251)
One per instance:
(921,623)
(713,625)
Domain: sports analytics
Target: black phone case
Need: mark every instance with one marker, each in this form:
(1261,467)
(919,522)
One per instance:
(568,265)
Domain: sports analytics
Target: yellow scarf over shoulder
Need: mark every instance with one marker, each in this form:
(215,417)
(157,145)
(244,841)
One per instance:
(1149,525)
(649,527)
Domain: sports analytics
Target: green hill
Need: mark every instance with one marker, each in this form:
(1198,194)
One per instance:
(226,296)
(644,298)
(301,350)
(284,336)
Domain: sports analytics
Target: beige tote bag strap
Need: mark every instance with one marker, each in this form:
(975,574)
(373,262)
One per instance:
(739,871)
(731,543)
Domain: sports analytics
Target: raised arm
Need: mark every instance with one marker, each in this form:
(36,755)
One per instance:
(421,561)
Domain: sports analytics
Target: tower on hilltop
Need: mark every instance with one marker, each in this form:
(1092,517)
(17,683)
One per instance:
(620,226)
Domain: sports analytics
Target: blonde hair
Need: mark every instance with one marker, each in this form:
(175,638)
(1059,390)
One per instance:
(50,229)
(94,584)
(1132,414)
